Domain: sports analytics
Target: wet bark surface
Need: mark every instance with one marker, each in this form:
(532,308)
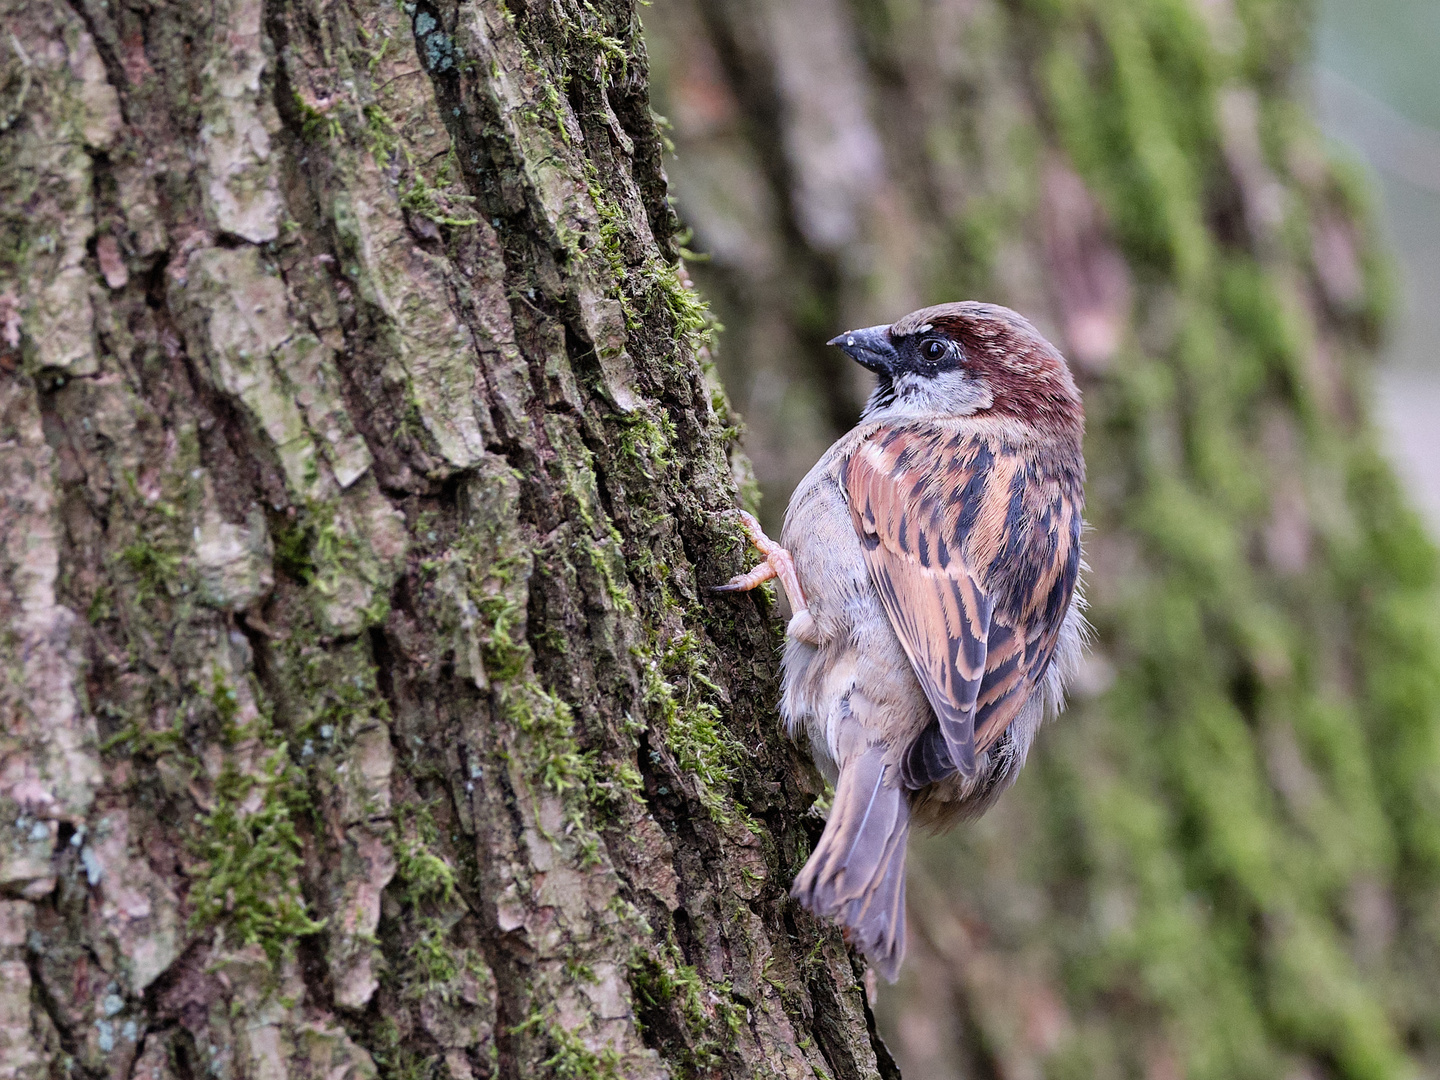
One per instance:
(364,712)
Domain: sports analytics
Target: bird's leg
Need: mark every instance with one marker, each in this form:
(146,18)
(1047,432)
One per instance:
(778,564)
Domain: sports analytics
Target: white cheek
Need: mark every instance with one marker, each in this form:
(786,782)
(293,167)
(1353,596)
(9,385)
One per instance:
(953,393)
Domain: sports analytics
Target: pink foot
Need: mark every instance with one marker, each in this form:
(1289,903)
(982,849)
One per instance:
(778,564)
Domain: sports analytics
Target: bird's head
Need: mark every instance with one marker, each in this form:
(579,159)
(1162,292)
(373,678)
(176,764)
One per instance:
(966,359)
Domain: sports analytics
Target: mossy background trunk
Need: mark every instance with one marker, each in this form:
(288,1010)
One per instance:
(362,469)
(1224,861)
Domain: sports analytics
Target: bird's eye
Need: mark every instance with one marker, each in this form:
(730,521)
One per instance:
(933,350)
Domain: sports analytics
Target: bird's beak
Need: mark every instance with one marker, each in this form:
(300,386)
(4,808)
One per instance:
(869,347)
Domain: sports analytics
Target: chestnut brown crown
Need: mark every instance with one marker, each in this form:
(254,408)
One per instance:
(964,359)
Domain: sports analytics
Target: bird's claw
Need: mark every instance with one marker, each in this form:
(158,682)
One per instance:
(778,564)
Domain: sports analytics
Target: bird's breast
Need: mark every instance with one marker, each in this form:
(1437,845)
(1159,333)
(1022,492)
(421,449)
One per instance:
(856,686)
(829,560)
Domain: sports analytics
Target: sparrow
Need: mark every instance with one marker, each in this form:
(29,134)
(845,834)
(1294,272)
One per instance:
(931,559)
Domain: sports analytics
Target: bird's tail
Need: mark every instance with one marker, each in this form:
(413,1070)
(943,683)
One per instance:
(856,875)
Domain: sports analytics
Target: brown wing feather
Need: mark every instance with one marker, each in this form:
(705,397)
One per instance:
(937,608)
(1033,620)
(937,515)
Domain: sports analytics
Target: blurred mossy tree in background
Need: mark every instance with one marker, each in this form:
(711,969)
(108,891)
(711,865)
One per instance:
(364,714)
(1377,95)
(1225,861)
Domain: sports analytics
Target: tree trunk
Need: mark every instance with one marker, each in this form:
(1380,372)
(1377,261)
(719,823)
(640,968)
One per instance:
(363,472)
(1224,860)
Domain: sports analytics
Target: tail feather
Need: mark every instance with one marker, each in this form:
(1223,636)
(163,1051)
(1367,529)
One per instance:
(880,925)
(856,875)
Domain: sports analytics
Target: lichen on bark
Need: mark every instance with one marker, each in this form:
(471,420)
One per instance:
(365,710)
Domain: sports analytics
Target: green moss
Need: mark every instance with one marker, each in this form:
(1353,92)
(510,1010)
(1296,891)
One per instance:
(430,907)
(248,882)
(316,124)
(658,984)
(606,559)
(323,548)
(1393,575)
(333,550)
(137,739)
(433,962)
(420,874)
(249,843)
(397,1061)
(102,604)
(695,326)
(292,543)
(706,1013)
(570,1058)
(381,138)
(612,239)
(682,700)
(547,731)
(653,284)
(646,442)
(226,702)
(439,196)
(154,566)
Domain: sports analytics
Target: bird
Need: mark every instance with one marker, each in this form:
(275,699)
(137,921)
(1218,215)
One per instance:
(932,560)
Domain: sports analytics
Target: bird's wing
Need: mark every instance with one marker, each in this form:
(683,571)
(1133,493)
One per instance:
(1041,557)
(906,488)
(937,513)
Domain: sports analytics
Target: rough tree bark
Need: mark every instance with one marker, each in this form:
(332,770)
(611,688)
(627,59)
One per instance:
(363,710)
(1224,861)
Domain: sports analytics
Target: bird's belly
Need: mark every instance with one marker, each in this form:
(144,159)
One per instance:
(829,561)
(855,688)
